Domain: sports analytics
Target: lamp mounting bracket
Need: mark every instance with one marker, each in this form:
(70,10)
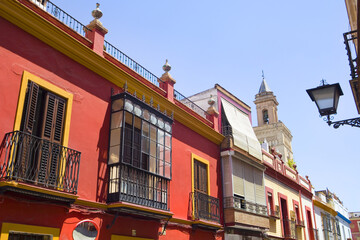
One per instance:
(354,122)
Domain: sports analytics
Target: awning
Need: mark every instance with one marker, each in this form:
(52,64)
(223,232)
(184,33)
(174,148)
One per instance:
(242,131)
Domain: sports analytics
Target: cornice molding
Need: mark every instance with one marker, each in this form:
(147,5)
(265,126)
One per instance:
(36,25)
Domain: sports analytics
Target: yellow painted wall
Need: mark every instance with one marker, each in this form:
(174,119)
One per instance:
(277,187)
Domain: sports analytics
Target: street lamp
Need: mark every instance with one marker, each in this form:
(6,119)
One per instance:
(326,98)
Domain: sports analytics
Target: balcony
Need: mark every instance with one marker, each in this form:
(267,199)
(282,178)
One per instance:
(300,223)
(138,192)
(205,207)
(240,212)
(289,228)
(275,214)
(241,204)
(27,159)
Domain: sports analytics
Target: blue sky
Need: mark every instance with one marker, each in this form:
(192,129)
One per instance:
(296,43)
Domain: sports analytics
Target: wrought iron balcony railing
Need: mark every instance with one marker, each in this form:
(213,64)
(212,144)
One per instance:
(63,17)
(300,223)
(132,185)
(190,104)
(289,228)
(130,63)
(316,234)
(350,39)
(205,207)
(241,204)
(226,130)
(27,158)
(136,67)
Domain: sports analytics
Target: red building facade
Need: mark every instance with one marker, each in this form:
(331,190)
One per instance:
(92,145)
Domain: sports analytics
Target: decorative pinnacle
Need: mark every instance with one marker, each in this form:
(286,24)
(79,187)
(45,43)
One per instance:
(97,14)
(263,75)
(166,66)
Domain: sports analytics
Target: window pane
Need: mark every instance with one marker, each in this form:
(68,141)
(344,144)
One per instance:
(145,161)
(153,148)
(153,133)
(115,136)
(146,115)
(153,119)
(117,105)
(167,127)
(145,145)
(145,129)
(160,123)
(167,170)
(128,118)
(129,105)
(160,138)
(161,168)
(167,155)
(137,110)
(116,119)
(167,140)
(114,153)
(152,165)
(137,123)
(160,152)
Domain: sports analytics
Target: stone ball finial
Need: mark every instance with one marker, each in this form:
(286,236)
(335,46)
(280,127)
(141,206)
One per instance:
(166,66)
(97,14)
(211,100)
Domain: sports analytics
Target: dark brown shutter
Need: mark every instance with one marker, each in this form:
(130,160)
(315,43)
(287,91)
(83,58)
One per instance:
(29,111)
(53,121)
(200,177)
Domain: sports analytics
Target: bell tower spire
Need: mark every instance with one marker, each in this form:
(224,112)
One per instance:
(266,104)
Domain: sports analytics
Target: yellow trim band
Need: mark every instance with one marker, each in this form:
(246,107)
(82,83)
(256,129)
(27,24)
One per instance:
(8,227)
(117,237)
(37,189)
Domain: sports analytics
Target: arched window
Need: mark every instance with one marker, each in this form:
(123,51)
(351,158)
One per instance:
(265,116)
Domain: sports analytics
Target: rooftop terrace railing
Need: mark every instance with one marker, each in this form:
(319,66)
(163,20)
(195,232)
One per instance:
(190,104)
(64,17)
(81,29)
(136,67)
(130,63)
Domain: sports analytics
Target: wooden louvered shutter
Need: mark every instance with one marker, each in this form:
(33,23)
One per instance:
(249,183)
(29,113)
(30,108)
(52,128)
(200,177)
(259,187)
(238,177)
